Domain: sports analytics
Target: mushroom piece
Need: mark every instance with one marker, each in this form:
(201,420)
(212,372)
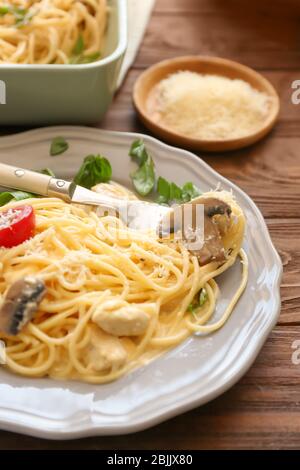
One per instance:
(20,304)
(213,248)
(213,206)
(216,217)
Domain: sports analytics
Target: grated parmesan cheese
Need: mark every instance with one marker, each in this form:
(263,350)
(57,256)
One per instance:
(210,107)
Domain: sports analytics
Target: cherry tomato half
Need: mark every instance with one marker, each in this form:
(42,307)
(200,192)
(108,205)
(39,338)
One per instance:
(16,225)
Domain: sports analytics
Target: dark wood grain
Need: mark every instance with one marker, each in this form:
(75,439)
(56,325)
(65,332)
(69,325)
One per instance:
(263,409)
(285,234)
(264,34)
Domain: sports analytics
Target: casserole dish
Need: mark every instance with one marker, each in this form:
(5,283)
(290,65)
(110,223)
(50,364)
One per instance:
(59,93)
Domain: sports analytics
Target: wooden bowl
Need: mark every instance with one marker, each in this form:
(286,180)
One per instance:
(144,94)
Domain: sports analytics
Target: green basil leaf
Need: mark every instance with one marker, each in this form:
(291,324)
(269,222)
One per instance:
(144,177)
(58,146)
(175,193)
(195,305)
(20,195)
(19,13)
(78,56)
(87,59)
(91,57)
(170,192)
(79,46)
(138,151)
(203,297)
(24,20)
(189,192)
(5,198)
(95,169)
(22,15)
(3,11)
(48,172)
(8,196)
(163,189)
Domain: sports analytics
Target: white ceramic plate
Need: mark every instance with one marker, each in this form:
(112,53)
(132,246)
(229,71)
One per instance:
(190,375)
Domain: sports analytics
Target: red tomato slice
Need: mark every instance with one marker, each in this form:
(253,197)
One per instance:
(16,225)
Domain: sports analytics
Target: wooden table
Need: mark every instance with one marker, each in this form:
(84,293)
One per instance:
(263,409)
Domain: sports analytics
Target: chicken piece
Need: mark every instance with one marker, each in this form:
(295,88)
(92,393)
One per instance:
(119,318)
(105,352)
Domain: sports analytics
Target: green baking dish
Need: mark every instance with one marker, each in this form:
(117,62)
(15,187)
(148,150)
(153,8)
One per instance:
(65,94)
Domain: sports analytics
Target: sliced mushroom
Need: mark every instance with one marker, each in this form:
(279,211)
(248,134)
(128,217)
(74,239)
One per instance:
(213,206)
(213,248)
(215,210)
(20,304)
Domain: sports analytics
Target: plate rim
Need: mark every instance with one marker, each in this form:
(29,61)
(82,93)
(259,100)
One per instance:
(154,417)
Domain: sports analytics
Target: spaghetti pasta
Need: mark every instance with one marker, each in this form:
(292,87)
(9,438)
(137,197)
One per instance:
(113,302)
(52,31)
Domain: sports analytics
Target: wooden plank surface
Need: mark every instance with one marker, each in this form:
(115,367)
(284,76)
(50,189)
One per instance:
(263,409)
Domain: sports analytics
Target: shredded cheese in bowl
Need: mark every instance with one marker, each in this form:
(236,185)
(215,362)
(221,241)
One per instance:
(210,107)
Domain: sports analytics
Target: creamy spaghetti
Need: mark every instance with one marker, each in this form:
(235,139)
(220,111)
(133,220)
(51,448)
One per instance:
(52,31)
(112,302)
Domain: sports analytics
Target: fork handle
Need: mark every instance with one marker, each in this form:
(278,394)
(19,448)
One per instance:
(25,180)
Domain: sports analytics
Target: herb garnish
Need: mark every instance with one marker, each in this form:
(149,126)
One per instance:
(22,15)
(8,196)
(169,192)
(79,46)
(48,172)
(85,59)
(78,56)
(58,146)
(197,303)
(138,151)
(144,177)
(95,169)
